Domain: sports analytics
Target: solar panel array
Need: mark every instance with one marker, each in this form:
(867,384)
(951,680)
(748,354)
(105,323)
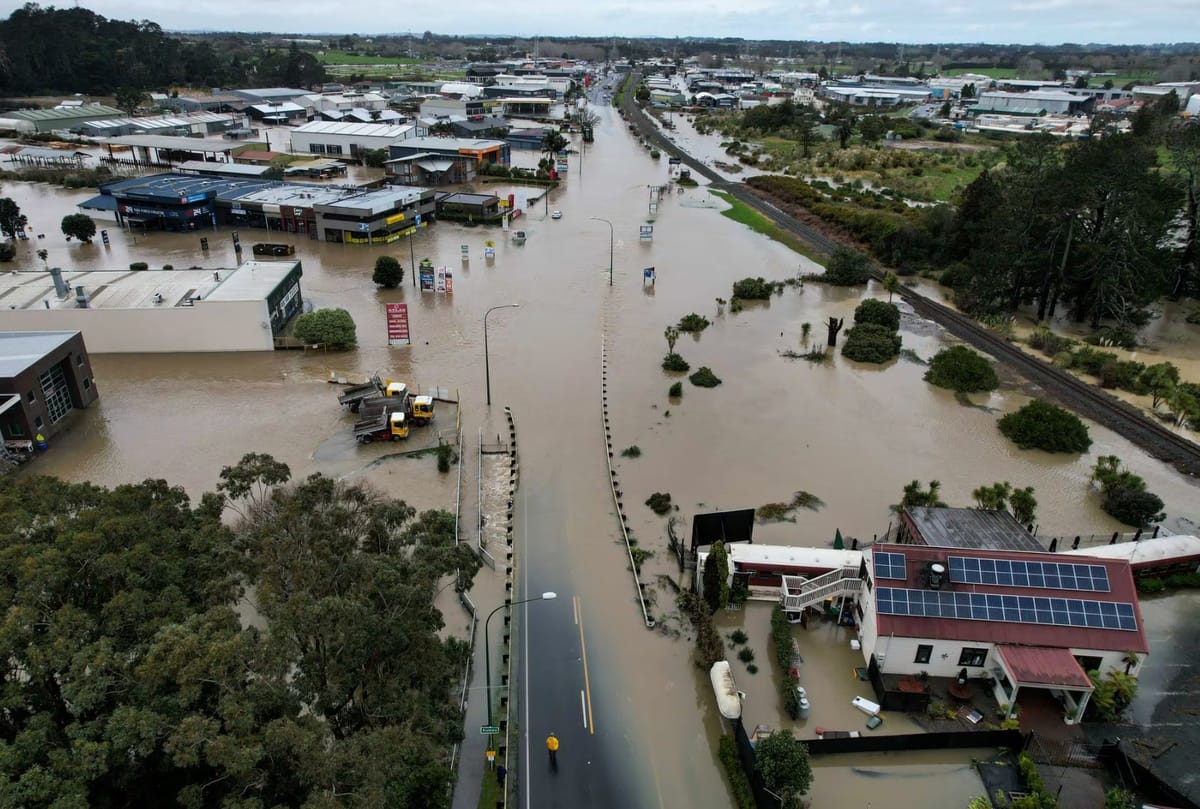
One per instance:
(889,565)
(1018,573)
(1043,611)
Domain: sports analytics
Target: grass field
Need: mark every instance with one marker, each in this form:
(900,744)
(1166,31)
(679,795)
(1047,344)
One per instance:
(994,72)
(744,214)
(1119,80)
(343,58)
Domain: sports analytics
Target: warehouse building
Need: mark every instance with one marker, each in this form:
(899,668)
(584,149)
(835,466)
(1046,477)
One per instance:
(338,139)
(194,124)
(62,118)
(130,311)
(44,377)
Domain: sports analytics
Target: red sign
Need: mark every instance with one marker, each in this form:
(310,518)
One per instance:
(397,324)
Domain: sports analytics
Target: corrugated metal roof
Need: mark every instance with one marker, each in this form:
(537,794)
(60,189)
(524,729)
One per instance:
(367,130)
(972,528)
(1043,665)
(68,113)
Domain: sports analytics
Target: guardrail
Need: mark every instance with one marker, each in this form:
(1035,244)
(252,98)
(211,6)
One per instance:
(616,493)
(513,480)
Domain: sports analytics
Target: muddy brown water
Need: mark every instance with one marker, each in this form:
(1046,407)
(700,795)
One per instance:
(851,434)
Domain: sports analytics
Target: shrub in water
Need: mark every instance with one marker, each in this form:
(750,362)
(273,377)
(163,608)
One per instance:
(675,390)
(870,342)
(961,369)
(1041,425)
(704,378)
(881,312)
(674,362)
(333,328)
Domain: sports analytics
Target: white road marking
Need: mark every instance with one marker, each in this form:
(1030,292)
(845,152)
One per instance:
(583,707)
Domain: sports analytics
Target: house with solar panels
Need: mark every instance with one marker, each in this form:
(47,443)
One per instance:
(1016,619)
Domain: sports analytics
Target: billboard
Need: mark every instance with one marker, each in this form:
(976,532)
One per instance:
(397,324)
(426,278)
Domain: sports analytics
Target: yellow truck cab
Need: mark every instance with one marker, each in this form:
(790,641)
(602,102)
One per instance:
(398,426)
(421,408)
(397,389)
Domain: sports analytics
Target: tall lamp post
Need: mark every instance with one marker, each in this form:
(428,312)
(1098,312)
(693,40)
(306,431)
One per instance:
(487,648)
(610,245)
(487,373)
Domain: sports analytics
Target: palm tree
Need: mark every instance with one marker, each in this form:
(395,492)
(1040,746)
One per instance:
(553,142)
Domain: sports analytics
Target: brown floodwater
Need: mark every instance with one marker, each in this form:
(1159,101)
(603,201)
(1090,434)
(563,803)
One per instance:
(851,434)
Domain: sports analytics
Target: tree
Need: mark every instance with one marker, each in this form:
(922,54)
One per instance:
(961,369)
(847,267)
(388,272)
(753,289)
(1041,425)
(880,312)
(872,128)
(1159,380)
(891,283)
(1113,693)
(968,91)
(994,497)
(944,112)
(553,142)
(783,763)
(333,328)
(375,158)
(843,119)
(915,496)
(128,99)
(1125,495)
(871,342)
(807,134)
(7,251)
(11,218)
(671,333)
(1023,504)
(1183,146)
(79,226)
(716,577)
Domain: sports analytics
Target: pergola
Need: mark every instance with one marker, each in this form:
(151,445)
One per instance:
(1050,668)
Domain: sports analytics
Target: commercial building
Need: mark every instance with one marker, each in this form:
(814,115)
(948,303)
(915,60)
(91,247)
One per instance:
(375,217)
(1021,621)
(437,161)
(194,124)
(181,202)
(260,95)
(348,139)
(44,376)
(278,113)
(131,311)
(63,118)
(342,102)
(206,102)
(167,150)
(1036,102)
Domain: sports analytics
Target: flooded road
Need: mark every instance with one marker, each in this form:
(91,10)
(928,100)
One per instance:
(851,434)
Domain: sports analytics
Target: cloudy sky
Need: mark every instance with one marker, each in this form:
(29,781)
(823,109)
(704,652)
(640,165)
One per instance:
(1005,21)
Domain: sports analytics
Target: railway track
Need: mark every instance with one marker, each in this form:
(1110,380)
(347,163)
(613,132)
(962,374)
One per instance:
(1074,393)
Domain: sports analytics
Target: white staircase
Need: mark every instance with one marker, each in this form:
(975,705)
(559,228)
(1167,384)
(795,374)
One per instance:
(800,593)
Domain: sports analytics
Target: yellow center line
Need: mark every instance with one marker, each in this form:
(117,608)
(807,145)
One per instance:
(587,688)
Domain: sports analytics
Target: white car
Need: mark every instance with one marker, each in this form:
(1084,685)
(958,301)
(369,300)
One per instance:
(556,215)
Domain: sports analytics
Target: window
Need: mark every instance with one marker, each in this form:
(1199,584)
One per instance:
(37,422)
(333,148)
(29,397)
(1089,663)
(924,652)
(972,657)
(87,383)
(79,360)
(56,393)
(16,431)
(317,148)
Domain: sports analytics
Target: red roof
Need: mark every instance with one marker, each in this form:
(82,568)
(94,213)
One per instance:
(1121,589)
(257,155)
(1041,665)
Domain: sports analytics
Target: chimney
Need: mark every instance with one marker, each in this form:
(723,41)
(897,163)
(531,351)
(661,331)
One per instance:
(60,286)
(81,298)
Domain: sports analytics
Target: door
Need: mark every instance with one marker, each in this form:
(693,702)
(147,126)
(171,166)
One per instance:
(55,393)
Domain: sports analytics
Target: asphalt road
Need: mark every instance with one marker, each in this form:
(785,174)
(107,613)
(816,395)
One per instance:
(556,681)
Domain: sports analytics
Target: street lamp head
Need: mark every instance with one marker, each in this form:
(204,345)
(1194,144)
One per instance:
(549,596)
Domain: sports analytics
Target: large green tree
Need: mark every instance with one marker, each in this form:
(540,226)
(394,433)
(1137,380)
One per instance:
(131,680)
(11,218)
(783,763)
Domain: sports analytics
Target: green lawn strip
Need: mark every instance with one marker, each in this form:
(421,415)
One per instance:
(490,793)
(343,58)
(742,213)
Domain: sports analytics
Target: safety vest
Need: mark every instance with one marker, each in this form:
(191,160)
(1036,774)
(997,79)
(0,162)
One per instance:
(552,743)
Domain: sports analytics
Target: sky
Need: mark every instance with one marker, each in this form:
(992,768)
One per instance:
(918,21)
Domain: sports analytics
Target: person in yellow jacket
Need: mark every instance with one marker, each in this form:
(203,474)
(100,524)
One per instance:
(552,746)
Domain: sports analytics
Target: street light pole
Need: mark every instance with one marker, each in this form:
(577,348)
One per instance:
(487,372)
(487,648)
(610,245)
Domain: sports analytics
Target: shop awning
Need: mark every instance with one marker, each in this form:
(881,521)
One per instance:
(436,165)
(101,202)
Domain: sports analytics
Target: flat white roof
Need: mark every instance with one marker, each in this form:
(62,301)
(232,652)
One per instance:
(366,130)
(1159,549)
(136,289)
(788,556)
(181,144)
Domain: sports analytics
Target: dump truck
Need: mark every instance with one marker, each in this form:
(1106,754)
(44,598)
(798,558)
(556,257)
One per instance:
(419,409)
(353,396)
(387,426)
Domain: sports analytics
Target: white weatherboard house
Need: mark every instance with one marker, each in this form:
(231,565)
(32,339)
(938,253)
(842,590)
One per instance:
(1025,620)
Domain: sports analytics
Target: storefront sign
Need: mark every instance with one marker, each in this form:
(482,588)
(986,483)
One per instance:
(397,324)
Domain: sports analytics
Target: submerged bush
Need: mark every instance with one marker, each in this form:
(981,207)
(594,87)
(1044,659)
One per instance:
(876,311)
(870,342)
(1041,425)
(961,369)
(674,362)
(704,378)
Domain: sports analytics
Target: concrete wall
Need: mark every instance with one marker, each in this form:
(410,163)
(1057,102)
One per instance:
(207,326)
